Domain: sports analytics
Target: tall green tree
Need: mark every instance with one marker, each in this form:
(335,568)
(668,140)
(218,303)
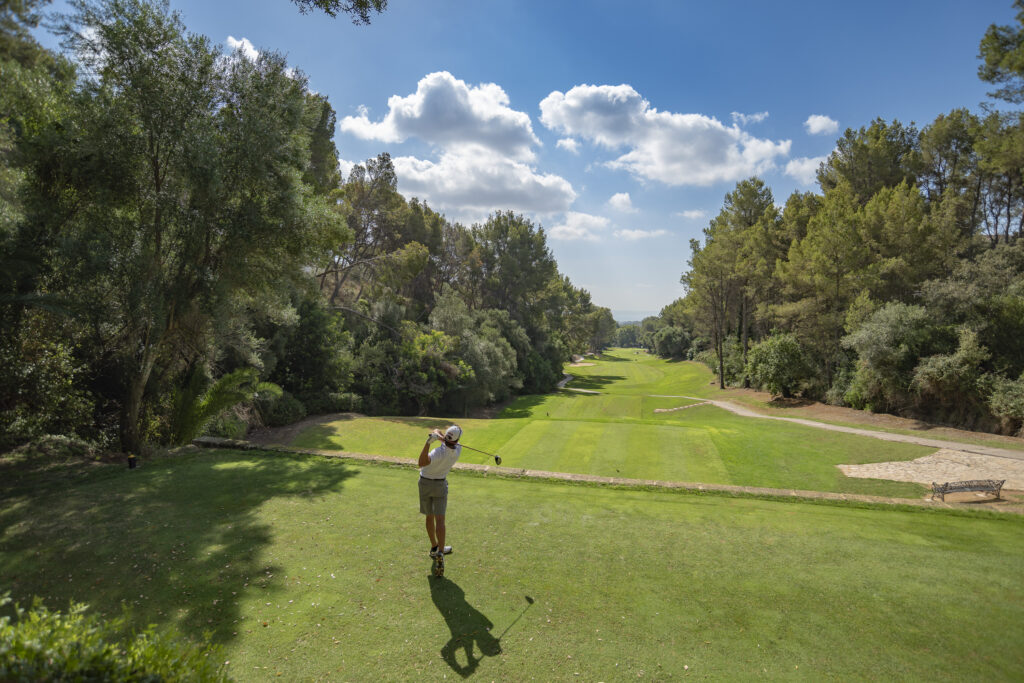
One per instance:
(179,187)
(1002,55)
(868,159)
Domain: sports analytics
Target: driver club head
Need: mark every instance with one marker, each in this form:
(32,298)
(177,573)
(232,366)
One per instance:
(497,460)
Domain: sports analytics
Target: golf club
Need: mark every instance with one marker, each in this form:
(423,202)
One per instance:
(530,601)
(497,458)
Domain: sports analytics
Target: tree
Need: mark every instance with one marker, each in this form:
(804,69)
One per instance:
(627,335)
(778,364)
(868,159)
(358,10)
(178,188)
(602,324)
(1002,55)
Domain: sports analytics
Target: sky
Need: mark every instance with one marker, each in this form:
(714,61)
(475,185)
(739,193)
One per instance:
(618,127)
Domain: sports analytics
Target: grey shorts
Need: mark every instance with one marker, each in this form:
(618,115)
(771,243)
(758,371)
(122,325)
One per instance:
(433,496)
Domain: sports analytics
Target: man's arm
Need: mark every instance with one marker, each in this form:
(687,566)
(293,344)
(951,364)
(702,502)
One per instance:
(425,453)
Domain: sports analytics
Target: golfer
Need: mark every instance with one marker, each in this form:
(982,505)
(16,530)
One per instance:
(434,467)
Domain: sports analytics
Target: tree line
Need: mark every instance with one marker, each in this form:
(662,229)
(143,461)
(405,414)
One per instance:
(180,253)
(899,287)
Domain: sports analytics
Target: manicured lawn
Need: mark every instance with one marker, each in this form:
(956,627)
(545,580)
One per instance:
(617,433)
(307,568)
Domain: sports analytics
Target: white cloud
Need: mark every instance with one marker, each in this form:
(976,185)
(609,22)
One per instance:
(805,169)
(245,45)
(621,202)
(478,180)
(569,145)
(693,213)
(579,226)
(816,124)
(633,235)
(345,167)
(446,112)
(744,119)
(676,149)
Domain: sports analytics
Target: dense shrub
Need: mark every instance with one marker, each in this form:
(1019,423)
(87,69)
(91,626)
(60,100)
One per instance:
(1007,403)
(38,389)
(671,342)
(285,410)
(334,402)
(43,645)
(777,364)
(58,447)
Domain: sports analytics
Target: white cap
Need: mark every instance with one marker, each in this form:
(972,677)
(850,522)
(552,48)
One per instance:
(453,433)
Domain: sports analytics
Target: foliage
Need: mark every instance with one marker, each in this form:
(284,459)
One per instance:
(1002,55)
(889,345)
(199,402)
(671,342)
(955,385)
(176,182)
(40,644)
(40,386)
(282,410)
(310,358)
(358,10)
(627,336)
(1007,403)
(777,364)
(57,448)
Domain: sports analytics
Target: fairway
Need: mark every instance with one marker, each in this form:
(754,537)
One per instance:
(307,568)
(617,433)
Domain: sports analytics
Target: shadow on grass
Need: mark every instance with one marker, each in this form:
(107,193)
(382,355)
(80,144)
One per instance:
(177,541)
(609,358)
(522,406)
(594,382)
(467,624)
(425,422)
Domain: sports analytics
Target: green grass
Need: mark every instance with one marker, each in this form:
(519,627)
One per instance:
(618,434)
(306,568)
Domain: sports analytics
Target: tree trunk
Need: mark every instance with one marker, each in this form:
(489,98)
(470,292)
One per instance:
(746,338)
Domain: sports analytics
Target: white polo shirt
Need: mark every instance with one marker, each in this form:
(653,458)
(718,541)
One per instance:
(441,460)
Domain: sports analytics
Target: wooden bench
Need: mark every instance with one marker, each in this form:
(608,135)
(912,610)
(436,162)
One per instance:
(987,485)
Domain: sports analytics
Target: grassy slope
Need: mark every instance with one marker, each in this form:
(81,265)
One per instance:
(617,433)
(330,556)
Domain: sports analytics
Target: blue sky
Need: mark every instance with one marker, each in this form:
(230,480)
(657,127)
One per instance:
(617,126)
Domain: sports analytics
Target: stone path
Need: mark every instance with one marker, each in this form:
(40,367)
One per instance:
(1005,506)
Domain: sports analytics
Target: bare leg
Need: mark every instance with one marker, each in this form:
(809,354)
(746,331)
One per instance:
(439,526)
(430,530)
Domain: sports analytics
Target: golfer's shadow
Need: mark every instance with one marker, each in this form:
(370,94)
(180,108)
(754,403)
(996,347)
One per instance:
(468,626)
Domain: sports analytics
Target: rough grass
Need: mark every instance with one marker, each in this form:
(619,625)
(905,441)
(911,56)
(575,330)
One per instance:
(617,433)
(307,568)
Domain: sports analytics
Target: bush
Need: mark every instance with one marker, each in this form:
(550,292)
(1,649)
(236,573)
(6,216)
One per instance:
(334,402)
(44,645)
(1007,403)
(228,425)
(671,342)
(58,447)
(38,389)
(708,358)
(285,410)
(777,364)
